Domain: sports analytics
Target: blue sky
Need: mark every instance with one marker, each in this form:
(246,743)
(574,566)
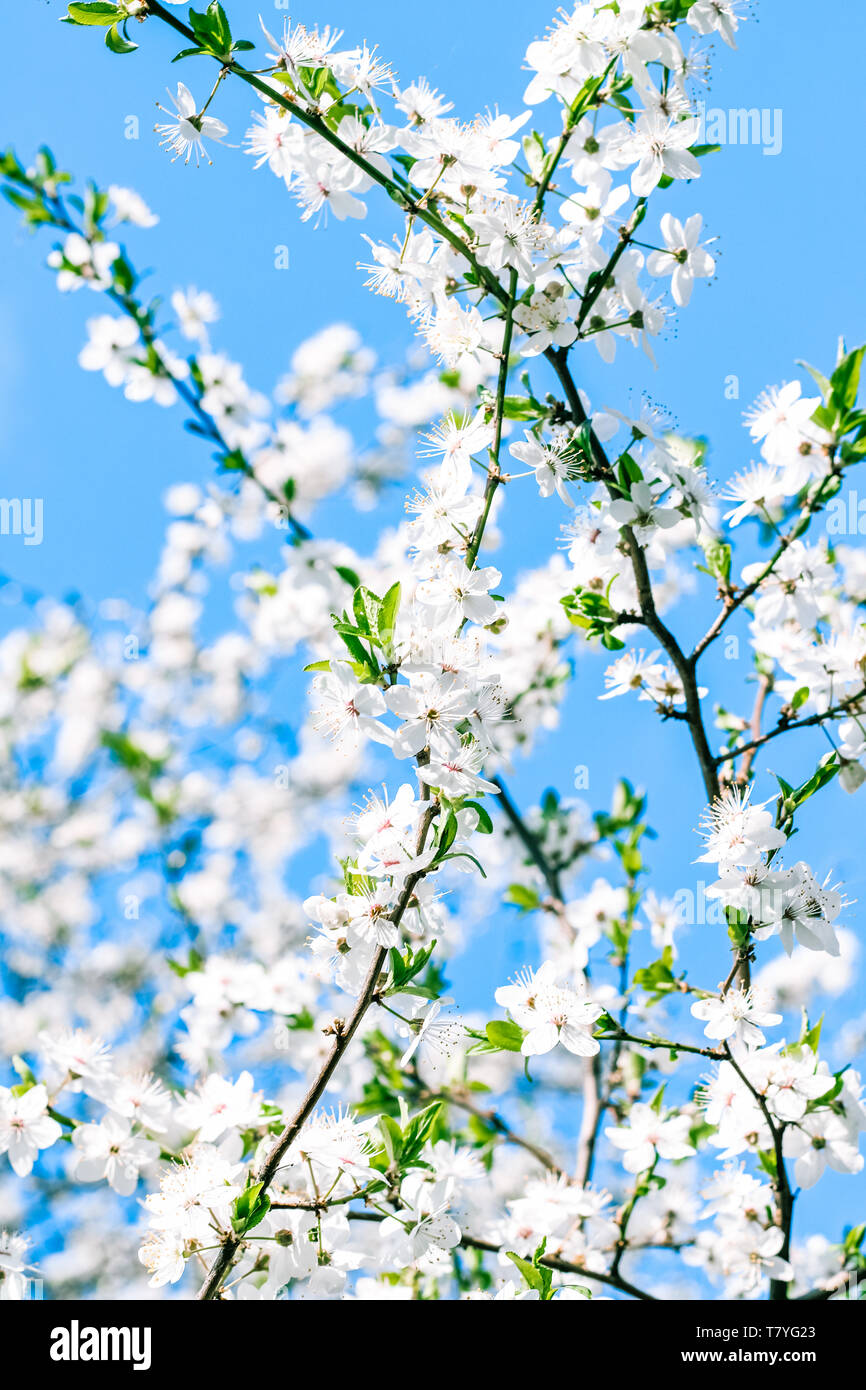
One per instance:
(789,282)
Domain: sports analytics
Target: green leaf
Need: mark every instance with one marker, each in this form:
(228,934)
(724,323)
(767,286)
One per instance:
(739,931)
(811,1036)
(447,835)
(537,1275)
(464,854)
(854,420)
(824,773)
(194,964)
(632,860)
(768,1162)
(845,381)
(419,1130)
(657,979)
(485,824)
(699,1132)
(629,472)
(130,756)
(95,13)
(249,1208)
(522,408)
(355,647)
(530,1273)
(506,1036)
(718,557)
(117,42)
(406,968)
(199,22)
(212,29)
(31,206)
(258,1213)
(393,1138)
(366,606)
(387,616)
(234,460)
(24,1071)
(819,379)
(403,1147)
(525,898)
(389,608)
(348,575)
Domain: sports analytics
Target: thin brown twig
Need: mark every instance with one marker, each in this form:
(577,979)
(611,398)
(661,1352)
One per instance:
(809,721)
(550,1261)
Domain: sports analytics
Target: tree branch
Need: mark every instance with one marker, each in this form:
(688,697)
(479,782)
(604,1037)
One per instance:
(809,721)
(781,1185)
(550,1261)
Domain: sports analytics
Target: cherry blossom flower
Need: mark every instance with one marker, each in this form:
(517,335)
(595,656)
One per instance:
(26,1127)
(650,1135)
(163,1256)
(801,908)
(82,261)
(347,709)
(129,206)
(752,1254)
(550,462)
(819,1141)
(631,671)
(719,16)
(436,1037)
(337,1141)
(458,773)
(756,491)
(195,309)
(459,594)
(736,832)
(324,189)
(548,320)
(457,441)
(110,1150)
(739,1013)
(781,418)
(217,1105)
(370,912)
(590,213)
(550,1013)
(430,708)
(685,259)
(660,147)
(423,1225)
(186,132)
(642,512)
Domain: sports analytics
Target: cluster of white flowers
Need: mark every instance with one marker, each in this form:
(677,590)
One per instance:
(743,840)
(822,1114)
(155,773)
(550,1013)
(466,167)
